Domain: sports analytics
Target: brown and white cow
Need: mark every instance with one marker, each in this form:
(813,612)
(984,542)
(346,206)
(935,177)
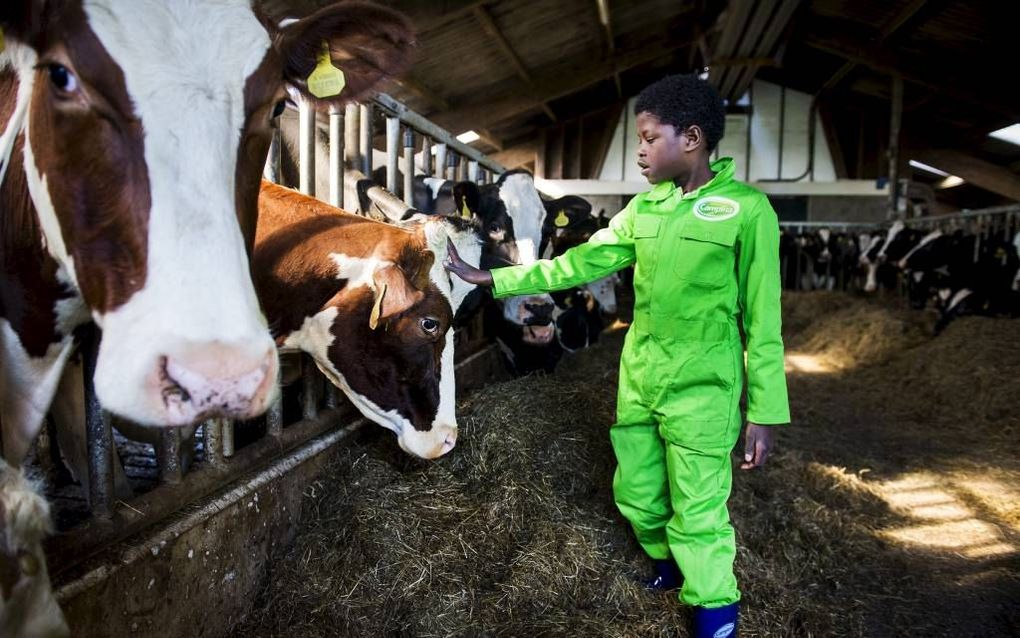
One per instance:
(373,306)
(132,138)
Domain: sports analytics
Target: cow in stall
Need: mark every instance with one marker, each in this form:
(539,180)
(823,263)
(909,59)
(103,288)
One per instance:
(582,312)
(373,306)
(512,212)
(128,191)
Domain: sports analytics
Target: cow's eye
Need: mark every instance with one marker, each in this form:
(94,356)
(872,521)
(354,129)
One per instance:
(63,79)
(430,325)
(494,228)
(280,107)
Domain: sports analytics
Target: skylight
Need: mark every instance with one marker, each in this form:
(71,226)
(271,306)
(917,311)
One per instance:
(1009,134)
(931,169)
(467,137)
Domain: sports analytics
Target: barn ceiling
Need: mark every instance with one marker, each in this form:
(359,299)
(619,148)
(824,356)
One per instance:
(535,78)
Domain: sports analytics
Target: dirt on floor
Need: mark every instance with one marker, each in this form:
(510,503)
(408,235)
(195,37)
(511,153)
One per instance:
(890,507)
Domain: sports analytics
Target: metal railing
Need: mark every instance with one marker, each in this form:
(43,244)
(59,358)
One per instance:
(227,449)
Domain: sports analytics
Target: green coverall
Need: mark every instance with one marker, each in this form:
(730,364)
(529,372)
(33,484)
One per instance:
(701,259)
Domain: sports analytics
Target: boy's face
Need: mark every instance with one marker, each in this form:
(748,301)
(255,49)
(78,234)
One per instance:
(663,153)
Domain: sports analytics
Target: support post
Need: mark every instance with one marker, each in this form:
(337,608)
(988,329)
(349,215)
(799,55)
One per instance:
(392,153)
(98,434)
(409,166)
(306,148)
(337,133)
(895,118)
(365,141)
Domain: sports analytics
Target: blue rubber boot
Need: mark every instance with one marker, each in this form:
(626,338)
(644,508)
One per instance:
(667,576)
(718,622)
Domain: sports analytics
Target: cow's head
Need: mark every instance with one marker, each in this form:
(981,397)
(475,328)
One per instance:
(27,604)
(532,314)
(146,126)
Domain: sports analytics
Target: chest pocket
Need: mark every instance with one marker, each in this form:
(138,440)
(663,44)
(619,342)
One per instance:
(705,256)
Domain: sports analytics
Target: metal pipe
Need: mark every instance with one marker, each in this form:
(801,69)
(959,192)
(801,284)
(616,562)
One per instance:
(352,132)
(170,470)
(426,155)
(274,414)
(451,166)
(310,378)
(392,153)
(212,434)
(227,430)
(472,171)
(747,146)
(98,434)
(408,167)
(306,148)
(337,133)
(365,140)
(441,161)
(895,116)
(332,396)
(782,129)
(812,111)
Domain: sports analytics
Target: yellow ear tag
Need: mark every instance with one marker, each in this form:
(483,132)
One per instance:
(561,219)
(325,79)
(465,212)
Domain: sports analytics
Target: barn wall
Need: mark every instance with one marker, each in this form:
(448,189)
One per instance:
(764,122)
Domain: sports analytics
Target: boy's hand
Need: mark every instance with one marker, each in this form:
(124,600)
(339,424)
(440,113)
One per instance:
(464,270)
(757,445)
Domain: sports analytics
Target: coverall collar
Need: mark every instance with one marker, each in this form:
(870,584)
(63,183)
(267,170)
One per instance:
(723,169)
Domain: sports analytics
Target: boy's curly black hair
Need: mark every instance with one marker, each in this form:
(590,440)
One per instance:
(684,100)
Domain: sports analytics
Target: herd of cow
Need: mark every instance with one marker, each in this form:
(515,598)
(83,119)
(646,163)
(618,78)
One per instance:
(957,272)
(130,197)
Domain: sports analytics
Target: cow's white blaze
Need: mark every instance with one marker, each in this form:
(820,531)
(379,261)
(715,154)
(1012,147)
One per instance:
(894,230)
(358,271)
(185,64)
(958,298)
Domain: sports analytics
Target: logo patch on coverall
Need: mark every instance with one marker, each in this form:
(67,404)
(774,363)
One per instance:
(715,209)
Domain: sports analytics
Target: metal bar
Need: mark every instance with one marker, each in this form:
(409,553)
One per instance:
(352,131)
(310,379)
(170,470)
(98,434)
(441,160)
(336,156)
(472,171)
(408,167)
(212,434)
(306,148)
(365,140)
(274,414)
(227,431)
(332,396)
(392,153)
(782,129)
(451,166)
(271,171)
(440,135)
(895,118)
(426,155)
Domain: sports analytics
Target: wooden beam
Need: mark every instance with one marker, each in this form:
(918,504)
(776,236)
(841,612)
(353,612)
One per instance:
(607,27)
(553,86)
(422,92)
(484,18)
(831,132)
(928,75)
(901,18)
(776,28)
(976,171)
(485,135)
(515,156)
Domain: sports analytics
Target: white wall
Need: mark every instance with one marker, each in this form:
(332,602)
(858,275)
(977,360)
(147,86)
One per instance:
(764,128)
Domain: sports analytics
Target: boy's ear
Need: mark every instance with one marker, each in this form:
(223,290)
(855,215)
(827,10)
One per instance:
(694,138)
(367,42)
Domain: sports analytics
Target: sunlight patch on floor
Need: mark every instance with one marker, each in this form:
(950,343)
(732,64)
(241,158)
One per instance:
(944,521)
(807,364)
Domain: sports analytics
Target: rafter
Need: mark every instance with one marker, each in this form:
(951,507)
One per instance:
(607,27)
(555,85)
(488,25)
(986,175)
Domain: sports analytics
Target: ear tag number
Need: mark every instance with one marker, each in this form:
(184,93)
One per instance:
(465,212)
(561,219)
(325,79)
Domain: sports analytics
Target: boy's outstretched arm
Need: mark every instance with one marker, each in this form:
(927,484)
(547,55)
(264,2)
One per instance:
(759,297)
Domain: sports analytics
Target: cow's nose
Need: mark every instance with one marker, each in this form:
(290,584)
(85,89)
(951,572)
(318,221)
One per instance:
(216,380)
(449,443)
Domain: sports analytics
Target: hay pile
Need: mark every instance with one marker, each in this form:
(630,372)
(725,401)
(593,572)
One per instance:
(515,532)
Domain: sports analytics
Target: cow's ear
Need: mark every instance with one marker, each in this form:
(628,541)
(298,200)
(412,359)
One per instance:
(394,294)
(467,198)
(365,42)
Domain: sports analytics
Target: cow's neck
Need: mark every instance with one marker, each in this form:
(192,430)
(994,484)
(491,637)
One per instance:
(40,308)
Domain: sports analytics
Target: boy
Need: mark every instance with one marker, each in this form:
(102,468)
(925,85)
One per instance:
(706,250)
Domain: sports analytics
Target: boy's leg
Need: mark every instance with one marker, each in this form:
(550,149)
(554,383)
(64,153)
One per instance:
(640,488)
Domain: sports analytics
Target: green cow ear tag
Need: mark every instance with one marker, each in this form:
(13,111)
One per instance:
(561,219)
(325,79)
(465,212)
